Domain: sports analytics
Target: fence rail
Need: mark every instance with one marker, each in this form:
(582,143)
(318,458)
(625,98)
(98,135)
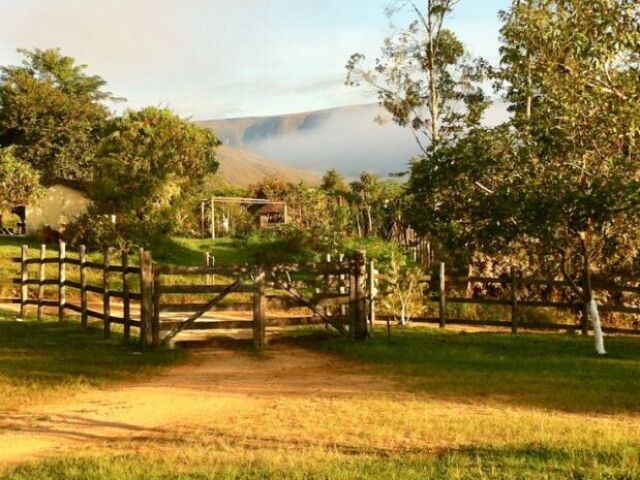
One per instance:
(109,270)
(514,287)
(342,308)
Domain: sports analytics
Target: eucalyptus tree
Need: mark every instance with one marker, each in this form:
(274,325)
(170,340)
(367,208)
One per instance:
(424,77)
(576,63)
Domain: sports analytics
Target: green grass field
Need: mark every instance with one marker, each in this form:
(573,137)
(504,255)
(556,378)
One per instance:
(558,372)
(461,405)
(41,361)
(465,406)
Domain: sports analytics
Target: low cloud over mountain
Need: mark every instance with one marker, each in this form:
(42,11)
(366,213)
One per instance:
(348,139)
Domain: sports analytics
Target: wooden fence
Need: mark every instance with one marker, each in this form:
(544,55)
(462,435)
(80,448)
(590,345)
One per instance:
(107,272)
(334,292)
(514,290)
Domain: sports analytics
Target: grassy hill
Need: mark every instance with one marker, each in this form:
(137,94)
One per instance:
(242,168)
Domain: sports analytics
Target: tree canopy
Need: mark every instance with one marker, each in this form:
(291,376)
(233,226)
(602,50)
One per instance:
(19,181)
(53,113)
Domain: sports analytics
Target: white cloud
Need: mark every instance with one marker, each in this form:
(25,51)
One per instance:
(206,58)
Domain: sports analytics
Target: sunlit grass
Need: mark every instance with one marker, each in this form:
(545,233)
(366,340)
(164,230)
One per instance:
(548,371)
(44,360)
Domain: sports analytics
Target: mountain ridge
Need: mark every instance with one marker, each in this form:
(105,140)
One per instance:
(345,138)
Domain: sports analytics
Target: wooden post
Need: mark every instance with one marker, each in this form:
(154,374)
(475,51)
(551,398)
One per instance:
(342,280)
(260,312)
(372,291)
(210,261)
(41,279)
(514,300)
(84,318)
(442,294)
(357,296)
(126,301)
(155,327)
(326,280)
(106,295)
(584,321)
(62,279)
(24,277)
(202,231)
(146,294)
(213,218)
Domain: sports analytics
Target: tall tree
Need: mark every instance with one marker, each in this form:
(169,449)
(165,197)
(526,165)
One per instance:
(53,113)
(19,181)
(424,76)
(147,163)
(563,176)
(578,65)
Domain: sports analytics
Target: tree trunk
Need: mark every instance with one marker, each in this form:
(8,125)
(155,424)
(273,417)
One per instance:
(591,306)
(403,313)
(369,222)
(594,315)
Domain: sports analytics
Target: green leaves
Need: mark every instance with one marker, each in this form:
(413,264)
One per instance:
(565,167)
(424,76)
(19,181)
(52,113)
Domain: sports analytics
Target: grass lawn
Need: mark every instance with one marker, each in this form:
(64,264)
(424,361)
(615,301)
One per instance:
(462,406)
(554,371)
(43,361)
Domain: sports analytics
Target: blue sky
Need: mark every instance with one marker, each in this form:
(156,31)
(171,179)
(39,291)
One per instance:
(224,58)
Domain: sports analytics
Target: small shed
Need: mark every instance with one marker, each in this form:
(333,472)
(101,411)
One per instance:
(270,214)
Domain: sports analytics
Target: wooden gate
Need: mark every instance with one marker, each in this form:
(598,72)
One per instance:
(173,299)
(334,291)
(175,310)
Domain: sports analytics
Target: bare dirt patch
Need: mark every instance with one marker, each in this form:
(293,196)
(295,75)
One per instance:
(287,399)
(210,390)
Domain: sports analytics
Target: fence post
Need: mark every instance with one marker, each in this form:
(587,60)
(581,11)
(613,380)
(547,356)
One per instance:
(24,277)
(326,284)
(514,300)
(106,295)
(584,321)
(259,312)
(62,279)
(210,261)
(357,297)
(442,294)
(342,289)
(155,326)
(41,279)
(146,298)
(126,303)
(202,232)
(372,291)
(84,318)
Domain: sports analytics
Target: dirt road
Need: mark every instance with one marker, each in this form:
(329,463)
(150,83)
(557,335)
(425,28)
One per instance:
(223,389)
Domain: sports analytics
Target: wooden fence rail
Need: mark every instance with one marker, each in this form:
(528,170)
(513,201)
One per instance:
(62,284)
(157,294)
(513,298)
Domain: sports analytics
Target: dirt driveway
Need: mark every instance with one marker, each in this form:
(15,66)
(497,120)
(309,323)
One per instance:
(217,388)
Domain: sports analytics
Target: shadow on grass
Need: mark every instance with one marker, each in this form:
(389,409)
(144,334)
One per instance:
(49,354)
(547,371)
(524,462)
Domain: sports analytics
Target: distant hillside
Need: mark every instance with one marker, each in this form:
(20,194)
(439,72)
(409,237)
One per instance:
(247,131)
(242,168)
(347,139)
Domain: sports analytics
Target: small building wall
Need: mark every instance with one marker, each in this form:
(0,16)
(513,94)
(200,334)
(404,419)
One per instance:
(58,206)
